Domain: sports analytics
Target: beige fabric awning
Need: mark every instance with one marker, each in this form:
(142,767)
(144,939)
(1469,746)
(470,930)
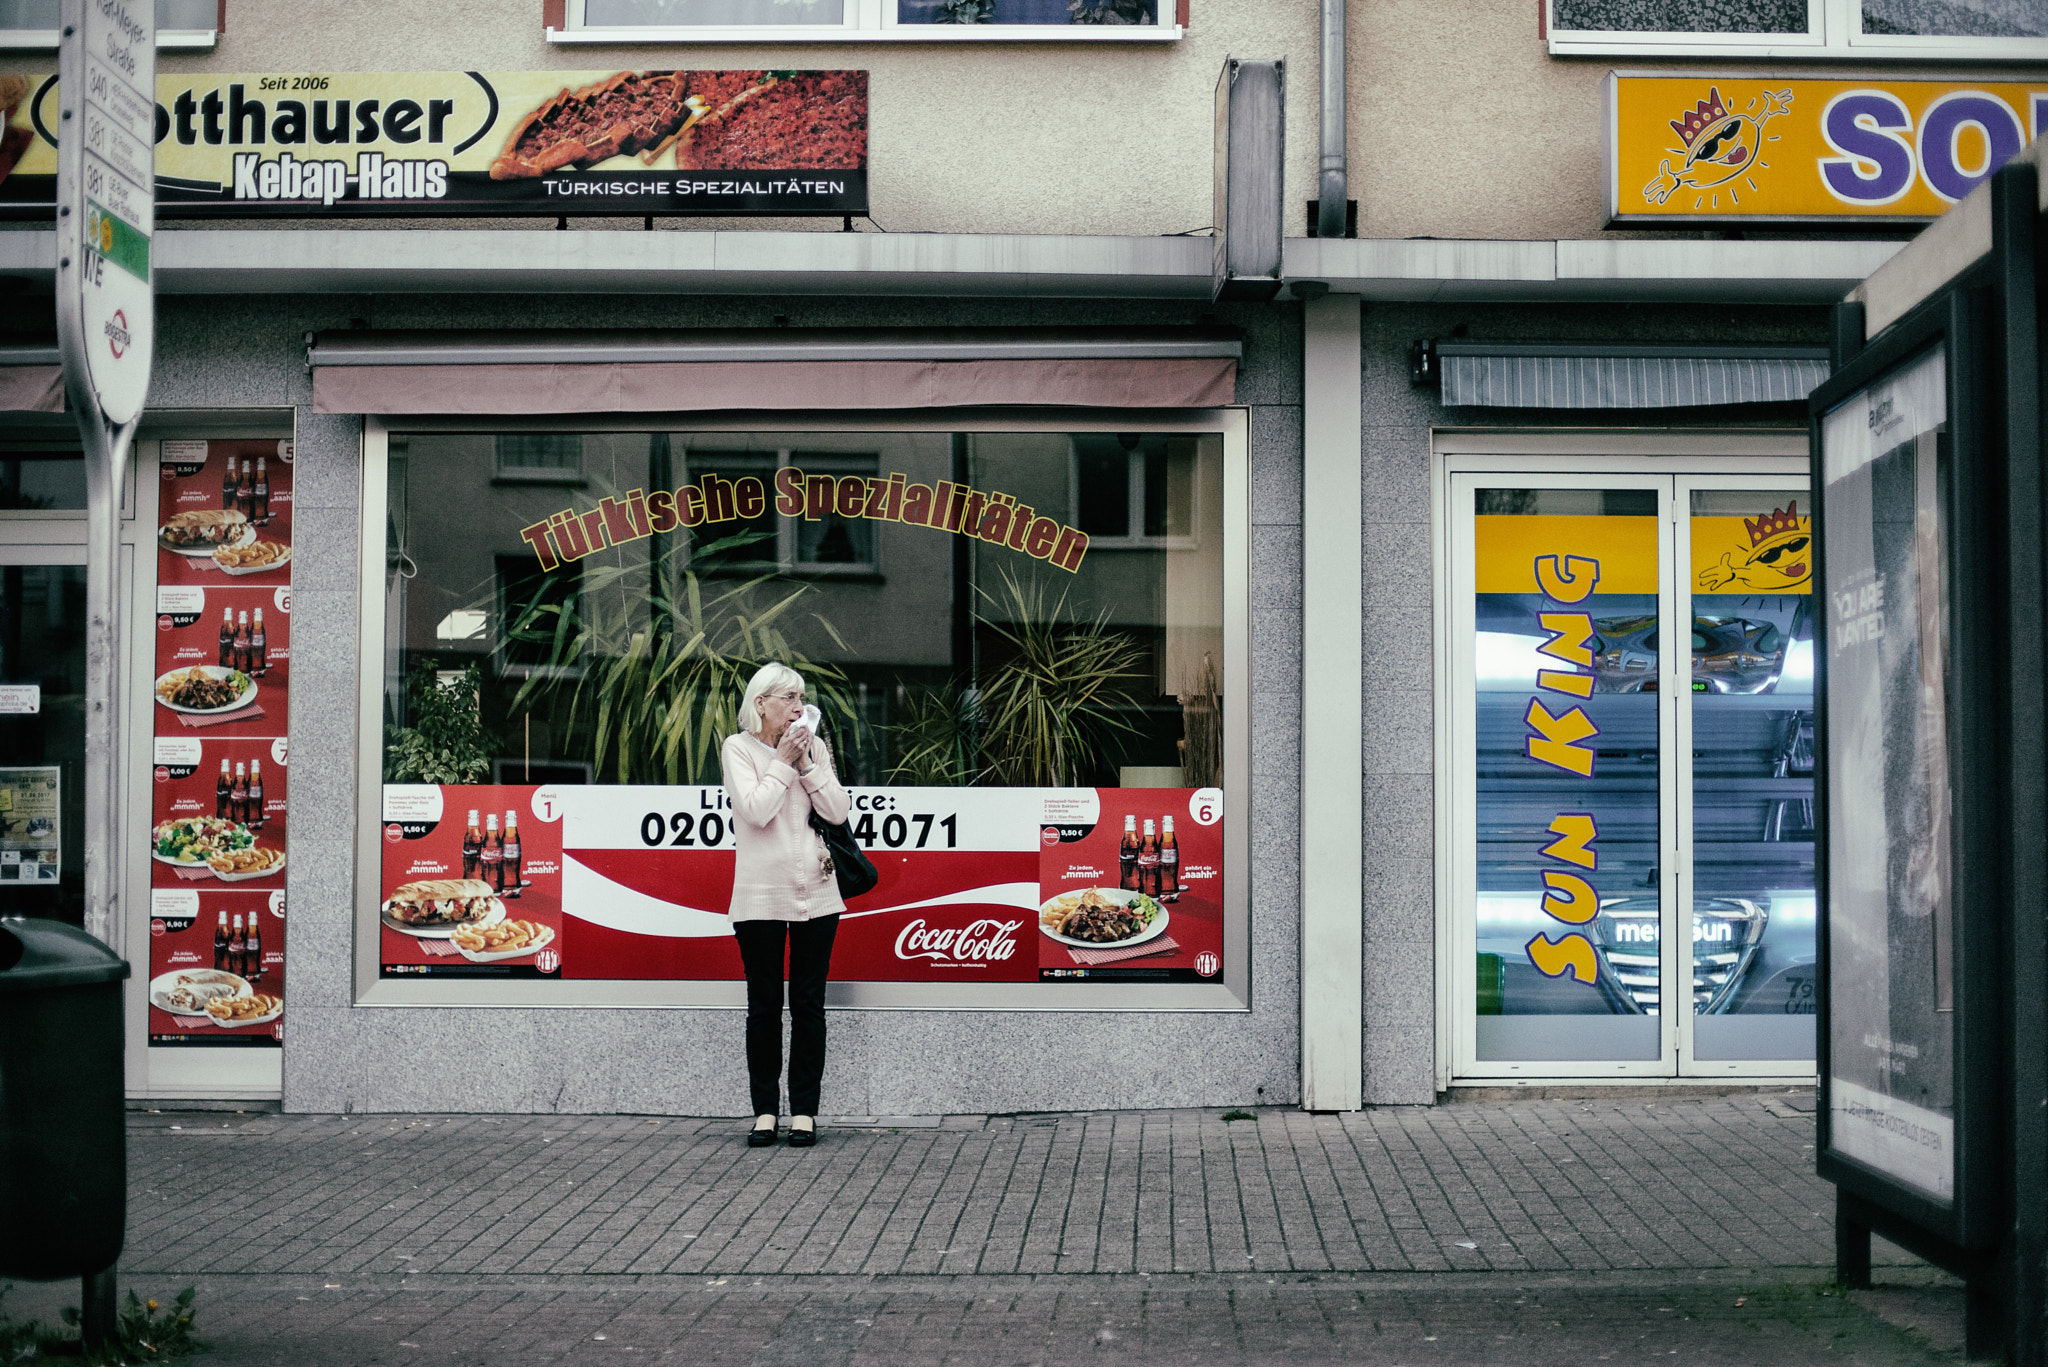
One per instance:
(31,379)
(509,374)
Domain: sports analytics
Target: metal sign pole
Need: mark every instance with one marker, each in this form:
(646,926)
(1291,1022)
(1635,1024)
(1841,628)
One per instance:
(106,218)
(106,326)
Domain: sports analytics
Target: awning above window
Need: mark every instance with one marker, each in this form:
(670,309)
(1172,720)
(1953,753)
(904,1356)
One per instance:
(1531,375)
(511,373)
(31,379)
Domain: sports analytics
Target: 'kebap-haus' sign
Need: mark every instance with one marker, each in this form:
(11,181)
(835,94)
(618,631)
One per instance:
(722,143)
(1699,147)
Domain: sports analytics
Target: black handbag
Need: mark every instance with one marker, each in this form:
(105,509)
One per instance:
(850,864)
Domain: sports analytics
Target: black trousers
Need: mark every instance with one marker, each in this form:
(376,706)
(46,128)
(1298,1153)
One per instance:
(810,962)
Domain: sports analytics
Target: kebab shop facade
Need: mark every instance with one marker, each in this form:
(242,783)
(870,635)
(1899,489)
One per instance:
(475,609)
(1024,625)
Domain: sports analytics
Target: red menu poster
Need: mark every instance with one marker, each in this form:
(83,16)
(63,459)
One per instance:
(221,755)
(472,881)
(1132,882)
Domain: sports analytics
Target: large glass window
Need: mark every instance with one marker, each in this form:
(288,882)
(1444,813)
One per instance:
(179,23)
(772,19)
(1984,29)
(1016,641)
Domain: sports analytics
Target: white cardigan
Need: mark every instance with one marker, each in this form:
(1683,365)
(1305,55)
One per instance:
(779,871)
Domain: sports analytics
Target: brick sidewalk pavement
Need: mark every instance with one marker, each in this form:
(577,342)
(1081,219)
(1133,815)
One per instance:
(1498,1231)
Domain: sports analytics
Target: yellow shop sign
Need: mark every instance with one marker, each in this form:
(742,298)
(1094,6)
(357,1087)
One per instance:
(1705,148)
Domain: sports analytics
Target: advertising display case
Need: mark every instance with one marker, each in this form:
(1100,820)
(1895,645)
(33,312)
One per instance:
(1911,692)
(1026,638)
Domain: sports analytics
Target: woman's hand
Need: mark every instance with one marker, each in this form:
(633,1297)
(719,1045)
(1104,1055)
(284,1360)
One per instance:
(795,749)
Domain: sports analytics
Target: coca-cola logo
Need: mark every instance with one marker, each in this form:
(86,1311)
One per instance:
(984,941)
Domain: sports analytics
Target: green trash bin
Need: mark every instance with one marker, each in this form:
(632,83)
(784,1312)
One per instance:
(63,1127)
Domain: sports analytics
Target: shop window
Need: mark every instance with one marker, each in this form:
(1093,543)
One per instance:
(1990,29)
(1000,701)
(541,458)
(179,23)
(922,20)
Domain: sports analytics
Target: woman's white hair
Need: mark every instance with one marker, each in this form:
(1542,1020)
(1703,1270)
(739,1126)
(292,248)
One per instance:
(772,677)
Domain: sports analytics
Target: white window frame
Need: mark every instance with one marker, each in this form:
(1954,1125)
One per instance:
(1134,538)
(1834,31)
(167,39)
(867,21)
(787,539)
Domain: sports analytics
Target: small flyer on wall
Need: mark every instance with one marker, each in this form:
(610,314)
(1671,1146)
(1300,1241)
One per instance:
(29,819)
(221,753)
(976,884)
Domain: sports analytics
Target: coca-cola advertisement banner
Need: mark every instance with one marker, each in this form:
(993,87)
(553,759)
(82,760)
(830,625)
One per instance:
(978,885)
(220,753)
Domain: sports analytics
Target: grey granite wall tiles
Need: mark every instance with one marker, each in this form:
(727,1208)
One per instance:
(1395,561)
(339,1057)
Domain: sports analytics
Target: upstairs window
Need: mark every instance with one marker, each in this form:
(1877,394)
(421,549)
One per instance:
(697,21)
(1989,30)
(32,24)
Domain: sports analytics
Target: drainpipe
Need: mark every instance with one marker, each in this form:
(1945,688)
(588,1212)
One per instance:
(1330,209)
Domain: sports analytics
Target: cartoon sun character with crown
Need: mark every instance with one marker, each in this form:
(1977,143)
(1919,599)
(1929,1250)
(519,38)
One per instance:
(1779,559)
(1716,145)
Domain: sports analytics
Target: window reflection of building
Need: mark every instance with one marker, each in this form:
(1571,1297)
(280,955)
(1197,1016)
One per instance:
(871,603)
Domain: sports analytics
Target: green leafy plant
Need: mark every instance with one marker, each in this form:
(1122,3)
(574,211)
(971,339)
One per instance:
(934,738)
(965,12)
(652,673)
(147,1332)
(446,741)
(1107,12)
(1238,1115)
(1048,711)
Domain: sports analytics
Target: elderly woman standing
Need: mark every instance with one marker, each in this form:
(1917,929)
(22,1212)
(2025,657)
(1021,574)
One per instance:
(783,892)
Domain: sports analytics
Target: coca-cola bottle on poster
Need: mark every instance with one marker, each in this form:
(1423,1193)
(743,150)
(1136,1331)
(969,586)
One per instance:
(1169,863)
(259,647)
(245,496)
(237,947)
(1148,862)
(238,796)
(261,499)
(253,949)
(509,869)
(241,651)
(472,844)
(220,943)
(223,791)
(1127,856)
(230,485)
(492,858)
(227,638)
(255,806)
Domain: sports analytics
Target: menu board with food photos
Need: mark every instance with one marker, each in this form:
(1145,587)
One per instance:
(221,754)
(977,885)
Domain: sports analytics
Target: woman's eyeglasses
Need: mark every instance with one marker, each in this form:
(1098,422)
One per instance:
(796,698)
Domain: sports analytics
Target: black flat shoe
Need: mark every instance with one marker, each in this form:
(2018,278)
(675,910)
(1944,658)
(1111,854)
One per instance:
(760,1139)
(802,1139)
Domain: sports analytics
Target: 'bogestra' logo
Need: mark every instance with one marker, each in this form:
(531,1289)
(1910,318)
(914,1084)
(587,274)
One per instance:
(1717,146)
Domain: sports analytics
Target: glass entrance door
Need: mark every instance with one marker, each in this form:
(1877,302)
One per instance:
(1632,731)
(42,737)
